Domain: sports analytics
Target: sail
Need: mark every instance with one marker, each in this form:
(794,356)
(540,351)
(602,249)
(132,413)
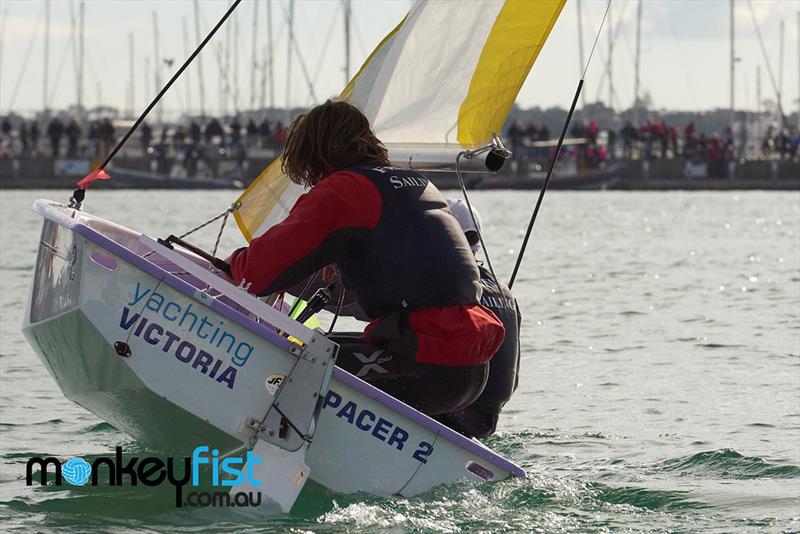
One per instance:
(447,75)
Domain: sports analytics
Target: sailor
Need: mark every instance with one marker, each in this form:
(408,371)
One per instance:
(479,419)
(399,250)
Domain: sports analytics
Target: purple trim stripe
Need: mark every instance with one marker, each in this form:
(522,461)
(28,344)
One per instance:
(268,334)
(182,286)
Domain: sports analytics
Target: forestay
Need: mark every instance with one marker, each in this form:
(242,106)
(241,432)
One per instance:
(446,76)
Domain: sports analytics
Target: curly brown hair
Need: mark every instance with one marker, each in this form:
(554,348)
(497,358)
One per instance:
(331,136)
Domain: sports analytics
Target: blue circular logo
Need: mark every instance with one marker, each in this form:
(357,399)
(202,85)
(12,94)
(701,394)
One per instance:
(76,471)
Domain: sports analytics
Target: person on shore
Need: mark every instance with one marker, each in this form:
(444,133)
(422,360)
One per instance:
(399,250)
(195,134)
(54,131)
(265,133)
(480,418)
(35,135)
(24,137)
(107,134)
(73,132)
(146,137)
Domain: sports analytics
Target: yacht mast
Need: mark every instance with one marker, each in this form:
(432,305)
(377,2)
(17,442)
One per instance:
(733,66)
(581,61)
(290,40)
(780,71)
(254,58)
(46,52)
(609,65)
(157,67)
(188,51)
(132,82)
(347,8)
(270,56)
(199,60)
(636,99)
(80,55)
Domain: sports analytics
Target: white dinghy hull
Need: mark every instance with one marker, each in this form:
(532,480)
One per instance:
(176,357)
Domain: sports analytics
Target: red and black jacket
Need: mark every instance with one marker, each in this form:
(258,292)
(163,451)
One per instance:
(398,249)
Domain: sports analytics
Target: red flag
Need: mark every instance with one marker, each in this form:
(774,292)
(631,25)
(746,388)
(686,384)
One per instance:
(97,174)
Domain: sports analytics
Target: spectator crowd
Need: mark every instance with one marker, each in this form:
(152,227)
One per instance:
(592,146)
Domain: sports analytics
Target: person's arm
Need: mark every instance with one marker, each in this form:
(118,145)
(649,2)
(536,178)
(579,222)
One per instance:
(341,207)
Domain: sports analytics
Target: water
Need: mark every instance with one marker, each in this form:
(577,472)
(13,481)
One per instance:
(660,385)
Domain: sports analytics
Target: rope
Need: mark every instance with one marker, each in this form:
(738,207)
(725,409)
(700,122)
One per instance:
(224,216)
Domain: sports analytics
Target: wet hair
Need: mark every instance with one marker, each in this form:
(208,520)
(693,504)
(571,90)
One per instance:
(331,136)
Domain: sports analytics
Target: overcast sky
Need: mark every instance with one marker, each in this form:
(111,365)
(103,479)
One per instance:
(685,52)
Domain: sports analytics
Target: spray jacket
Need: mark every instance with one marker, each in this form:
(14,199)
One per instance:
(398,249)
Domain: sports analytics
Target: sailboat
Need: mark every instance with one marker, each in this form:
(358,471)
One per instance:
(147,335)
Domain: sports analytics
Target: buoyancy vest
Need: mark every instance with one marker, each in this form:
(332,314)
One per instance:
(415,273)
(504,366)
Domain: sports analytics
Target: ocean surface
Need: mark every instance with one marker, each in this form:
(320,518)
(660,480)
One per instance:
(660,387)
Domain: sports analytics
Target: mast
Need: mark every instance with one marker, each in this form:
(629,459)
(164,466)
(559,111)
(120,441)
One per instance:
(201,87)
(798,72)
(3,17)
(80,55)
(270,56)
(46,52)
(157,66)
(132,95)
(758,106)
(581,61)
(254,58)
(780,71)
(733,66)
(235,51)
(188,51)
(290,40)
(347,7)
(636,101)
(609,65)
(226,68)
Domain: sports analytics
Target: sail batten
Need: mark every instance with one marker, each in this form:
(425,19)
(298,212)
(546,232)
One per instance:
(446,75)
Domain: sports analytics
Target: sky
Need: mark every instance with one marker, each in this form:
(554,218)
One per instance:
(685,53)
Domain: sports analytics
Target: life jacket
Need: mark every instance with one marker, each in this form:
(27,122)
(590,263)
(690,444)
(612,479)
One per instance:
(504,366)
(415,273)
(480,418)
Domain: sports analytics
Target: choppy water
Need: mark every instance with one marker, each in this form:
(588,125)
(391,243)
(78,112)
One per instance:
(660,385)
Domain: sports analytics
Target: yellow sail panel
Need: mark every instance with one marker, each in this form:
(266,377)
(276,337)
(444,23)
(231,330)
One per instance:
(267,201)
(514,42)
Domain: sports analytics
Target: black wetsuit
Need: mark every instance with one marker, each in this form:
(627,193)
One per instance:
(480,418)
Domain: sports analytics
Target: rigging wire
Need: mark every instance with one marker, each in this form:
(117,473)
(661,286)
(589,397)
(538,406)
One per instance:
(472,215)
(325,44)
(557,153)
(766,61)
(79,193)
(296,50)
(27,60)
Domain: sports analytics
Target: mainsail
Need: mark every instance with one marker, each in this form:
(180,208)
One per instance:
(446,76)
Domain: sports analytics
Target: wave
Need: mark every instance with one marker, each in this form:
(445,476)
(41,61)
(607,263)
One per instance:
(729,464)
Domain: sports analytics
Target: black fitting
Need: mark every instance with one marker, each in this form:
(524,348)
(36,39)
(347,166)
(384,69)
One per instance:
(122,348)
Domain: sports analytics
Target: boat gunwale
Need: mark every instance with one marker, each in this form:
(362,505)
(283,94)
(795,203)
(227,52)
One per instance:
(475,447)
